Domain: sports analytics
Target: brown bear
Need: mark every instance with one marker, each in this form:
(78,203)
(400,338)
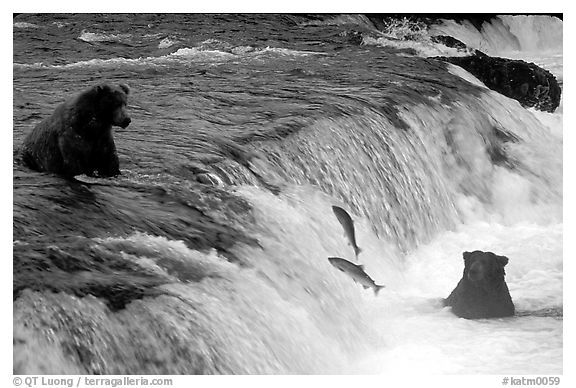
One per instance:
(482,291)
(77,138)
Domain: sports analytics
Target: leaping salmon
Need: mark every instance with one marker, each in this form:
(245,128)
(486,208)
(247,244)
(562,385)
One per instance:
(348,225)
(356,272)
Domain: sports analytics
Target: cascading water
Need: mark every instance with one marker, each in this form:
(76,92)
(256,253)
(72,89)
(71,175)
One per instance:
(155,273)
(508,33)
(537,39)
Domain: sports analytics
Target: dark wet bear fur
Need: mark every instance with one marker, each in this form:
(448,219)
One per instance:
(77,138)
(482,291)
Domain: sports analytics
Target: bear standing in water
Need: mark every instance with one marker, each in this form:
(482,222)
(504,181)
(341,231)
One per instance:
(77,138)
(482,291)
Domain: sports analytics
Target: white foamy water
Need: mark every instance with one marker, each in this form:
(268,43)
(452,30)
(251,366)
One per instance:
(416,328)
(167,42)
(406,327)
(88,36)
(536,39)
(24,25)
(423,47)
(508,34)
(182,55)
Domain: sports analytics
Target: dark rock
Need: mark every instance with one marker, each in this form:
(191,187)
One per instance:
(482,292)
(525,82)
(81,269)
(209,179)
(354,37)
(449,41)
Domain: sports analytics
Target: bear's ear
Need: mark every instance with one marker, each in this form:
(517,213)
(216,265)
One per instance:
(102,88)
(467,258)
(125,88)
(502,260)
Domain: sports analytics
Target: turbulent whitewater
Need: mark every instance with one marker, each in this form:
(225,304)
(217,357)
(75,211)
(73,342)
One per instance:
(157,272)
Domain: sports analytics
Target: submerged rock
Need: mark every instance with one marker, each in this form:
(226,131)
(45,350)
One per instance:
(525,82)
(449,41)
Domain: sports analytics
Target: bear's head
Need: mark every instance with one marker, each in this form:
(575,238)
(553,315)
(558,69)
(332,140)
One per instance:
(111,104)
(484,268)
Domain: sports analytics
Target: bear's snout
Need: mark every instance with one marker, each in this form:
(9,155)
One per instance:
(126,122)
(476,272)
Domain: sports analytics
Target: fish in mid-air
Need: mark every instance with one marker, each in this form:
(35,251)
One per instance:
(348,225)
(356,272)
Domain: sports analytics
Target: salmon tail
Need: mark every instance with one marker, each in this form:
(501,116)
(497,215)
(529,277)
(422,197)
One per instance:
(377,288)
